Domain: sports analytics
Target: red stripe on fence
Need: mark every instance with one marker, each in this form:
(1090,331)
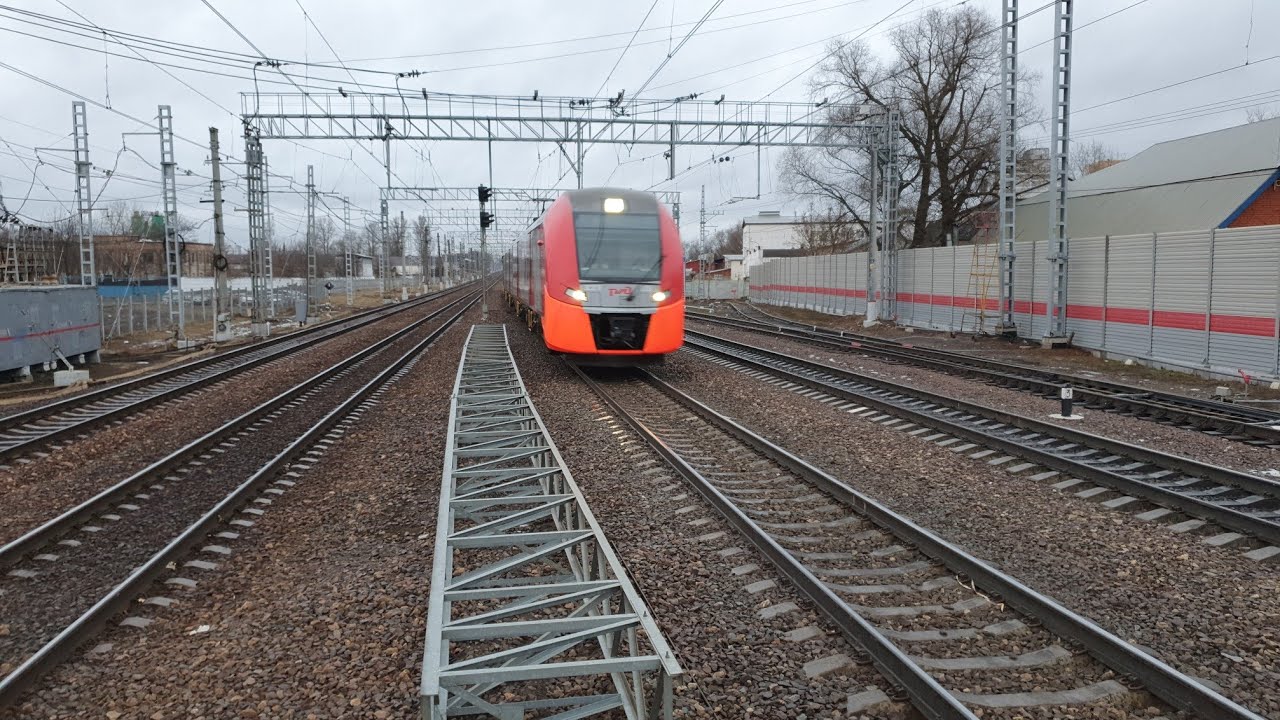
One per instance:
(1243,325)
(1179,320)
(1229,324)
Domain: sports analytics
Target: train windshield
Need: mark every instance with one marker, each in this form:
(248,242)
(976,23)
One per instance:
(618,247)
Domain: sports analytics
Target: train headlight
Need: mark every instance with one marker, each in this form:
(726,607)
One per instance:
(661,295)
(576,294)
(614,205)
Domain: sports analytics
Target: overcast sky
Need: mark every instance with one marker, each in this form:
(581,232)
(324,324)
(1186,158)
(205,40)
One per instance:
(746,50)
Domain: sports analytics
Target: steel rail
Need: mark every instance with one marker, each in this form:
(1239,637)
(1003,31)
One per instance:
(1104,392)
(1107,390)
(121,596)
(37,423)
(53,529)
(1162,680)
(1253,426)
(926,693)
(842,383)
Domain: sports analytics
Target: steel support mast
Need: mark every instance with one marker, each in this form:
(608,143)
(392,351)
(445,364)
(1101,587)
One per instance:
(890,180)
(1008,162)
(221,293)
(346,250)
(257,192)
(1059,146)
(311,243)
(172,243)
(269,235)
(386,211)
(84,198)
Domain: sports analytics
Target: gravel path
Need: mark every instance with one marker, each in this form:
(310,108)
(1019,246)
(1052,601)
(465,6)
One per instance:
(31,493)
(319,612)
(1167,438)
(737,665)
(1208,612)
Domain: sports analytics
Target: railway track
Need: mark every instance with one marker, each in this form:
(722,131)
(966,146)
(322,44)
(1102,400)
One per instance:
(67,578)
(958,636)
(27,432)
(1087,464)
(1240,423)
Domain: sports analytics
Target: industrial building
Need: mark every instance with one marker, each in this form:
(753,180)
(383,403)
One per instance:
(1228,178)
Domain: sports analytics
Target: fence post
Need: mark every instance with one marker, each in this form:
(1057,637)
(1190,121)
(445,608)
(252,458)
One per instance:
(130,313)
(1208,301)
(1276,329)
(1106,287)
(1151,313)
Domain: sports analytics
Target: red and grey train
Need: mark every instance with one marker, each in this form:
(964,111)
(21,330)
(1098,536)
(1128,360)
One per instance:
(601,272)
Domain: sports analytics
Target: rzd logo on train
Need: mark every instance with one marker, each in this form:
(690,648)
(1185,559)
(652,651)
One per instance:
(619,291)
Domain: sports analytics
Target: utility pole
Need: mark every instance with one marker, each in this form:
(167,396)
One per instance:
(84,199)
(311,245)
(703,251)
(386,217)
(873,244)
(486,219)
(172,245)
(702,240)
(403,241)
(221,294)
(346,249)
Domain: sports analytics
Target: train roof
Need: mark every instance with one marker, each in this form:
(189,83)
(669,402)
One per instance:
(636,200)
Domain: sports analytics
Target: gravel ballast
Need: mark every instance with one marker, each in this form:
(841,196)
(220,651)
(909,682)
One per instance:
(736,663)
(319,610)
(1207,611)
(70,579)
(34,492)
(1166,438)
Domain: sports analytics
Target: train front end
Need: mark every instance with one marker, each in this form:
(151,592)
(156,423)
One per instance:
(614,292)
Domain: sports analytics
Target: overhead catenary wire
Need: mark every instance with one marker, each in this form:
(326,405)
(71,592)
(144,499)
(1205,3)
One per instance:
(692,31)
(625,49)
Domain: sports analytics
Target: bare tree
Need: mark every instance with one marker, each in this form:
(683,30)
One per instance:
(723,242)
(326,232)
(828,232)
(422,239)
(1091,156)
(1258,113)
(944,80)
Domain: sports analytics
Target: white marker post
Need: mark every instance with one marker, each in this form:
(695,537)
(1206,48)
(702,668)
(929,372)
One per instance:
(1067,396)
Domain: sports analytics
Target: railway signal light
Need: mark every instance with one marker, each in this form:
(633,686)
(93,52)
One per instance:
(485,193)
(486,219)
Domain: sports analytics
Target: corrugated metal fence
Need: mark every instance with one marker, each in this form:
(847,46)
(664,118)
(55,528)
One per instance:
(1205,300)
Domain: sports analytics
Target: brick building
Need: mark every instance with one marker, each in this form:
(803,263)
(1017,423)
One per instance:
(133,257)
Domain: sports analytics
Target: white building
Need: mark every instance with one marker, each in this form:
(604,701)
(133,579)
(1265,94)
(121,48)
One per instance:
(769,230)
(737,270)
(362,265)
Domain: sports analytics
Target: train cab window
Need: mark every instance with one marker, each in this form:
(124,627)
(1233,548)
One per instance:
(618,247)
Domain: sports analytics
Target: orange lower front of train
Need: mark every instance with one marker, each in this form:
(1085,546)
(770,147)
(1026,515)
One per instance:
(567,327)
(601,274)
